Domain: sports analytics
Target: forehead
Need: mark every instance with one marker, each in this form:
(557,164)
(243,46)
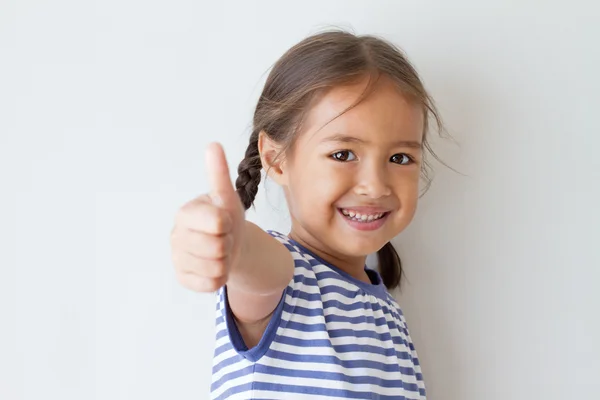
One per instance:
(385,115)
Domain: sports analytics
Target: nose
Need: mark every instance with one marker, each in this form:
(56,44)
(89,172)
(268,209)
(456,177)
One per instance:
(373,181)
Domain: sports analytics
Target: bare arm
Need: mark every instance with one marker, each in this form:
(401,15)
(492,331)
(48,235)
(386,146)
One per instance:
(213,245)
(256,282)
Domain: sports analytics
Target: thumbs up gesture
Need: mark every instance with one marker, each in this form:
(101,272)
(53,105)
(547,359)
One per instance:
(206,238)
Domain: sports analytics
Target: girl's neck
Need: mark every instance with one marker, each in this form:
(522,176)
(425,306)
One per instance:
(354,266)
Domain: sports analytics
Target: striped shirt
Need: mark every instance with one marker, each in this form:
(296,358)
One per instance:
(331,337)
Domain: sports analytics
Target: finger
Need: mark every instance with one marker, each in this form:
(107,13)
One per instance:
(202,216)
(188,263)
(221,188)
(202,245)
(200,284)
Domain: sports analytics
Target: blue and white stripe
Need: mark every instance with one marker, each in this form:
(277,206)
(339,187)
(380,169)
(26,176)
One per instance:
(331,336)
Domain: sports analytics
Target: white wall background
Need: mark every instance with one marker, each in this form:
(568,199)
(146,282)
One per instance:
(105,110)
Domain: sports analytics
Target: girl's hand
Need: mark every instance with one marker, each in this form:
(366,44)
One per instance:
(207,236)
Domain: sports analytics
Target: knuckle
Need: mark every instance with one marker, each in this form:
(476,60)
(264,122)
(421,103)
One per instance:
(216,269)
(221,248)
(222,222)
(184,211)
(190,214)
(218,283)
(174,238)
(188,264)
(176,259)
(213,286)
(186,280)
(198,283)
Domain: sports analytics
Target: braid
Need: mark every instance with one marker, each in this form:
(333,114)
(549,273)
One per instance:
(390,266)
(249,169)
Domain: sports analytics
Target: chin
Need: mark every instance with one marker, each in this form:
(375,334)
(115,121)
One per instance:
(360,247)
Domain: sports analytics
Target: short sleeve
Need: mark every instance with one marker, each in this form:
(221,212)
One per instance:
(291,292)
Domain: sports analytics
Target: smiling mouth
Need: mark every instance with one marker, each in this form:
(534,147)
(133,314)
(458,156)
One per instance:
(362,217)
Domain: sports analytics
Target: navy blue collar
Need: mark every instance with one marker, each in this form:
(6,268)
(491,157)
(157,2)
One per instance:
(376,287)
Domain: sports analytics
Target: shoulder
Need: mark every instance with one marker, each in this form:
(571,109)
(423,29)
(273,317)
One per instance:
(301,258)
(283,239)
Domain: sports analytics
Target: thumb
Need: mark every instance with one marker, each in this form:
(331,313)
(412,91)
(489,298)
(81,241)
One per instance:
(221,189)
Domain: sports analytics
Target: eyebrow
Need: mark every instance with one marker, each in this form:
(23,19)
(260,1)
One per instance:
(340,138)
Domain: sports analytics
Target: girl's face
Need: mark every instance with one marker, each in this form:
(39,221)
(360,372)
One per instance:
(352,184)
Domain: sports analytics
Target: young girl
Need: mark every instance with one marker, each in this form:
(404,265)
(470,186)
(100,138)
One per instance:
(341,125)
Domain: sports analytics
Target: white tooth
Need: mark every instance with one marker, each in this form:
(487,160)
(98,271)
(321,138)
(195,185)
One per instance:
(363,217)
(345,212)
(378,216)
(370,218)
(352,214)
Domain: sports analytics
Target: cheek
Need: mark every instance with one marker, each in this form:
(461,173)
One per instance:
(407,192)
(317,187)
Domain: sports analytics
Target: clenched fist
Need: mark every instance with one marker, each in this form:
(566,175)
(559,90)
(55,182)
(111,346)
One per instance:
(206,238)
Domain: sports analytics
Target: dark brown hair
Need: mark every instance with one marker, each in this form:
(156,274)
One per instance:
(308,70)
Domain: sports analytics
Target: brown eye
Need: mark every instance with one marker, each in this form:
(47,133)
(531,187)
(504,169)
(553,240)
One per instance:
(344,155)
(401,159)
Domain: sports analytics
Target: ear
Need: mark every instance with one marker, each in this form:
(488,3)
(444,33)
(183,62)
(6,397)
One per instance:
(271,157)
